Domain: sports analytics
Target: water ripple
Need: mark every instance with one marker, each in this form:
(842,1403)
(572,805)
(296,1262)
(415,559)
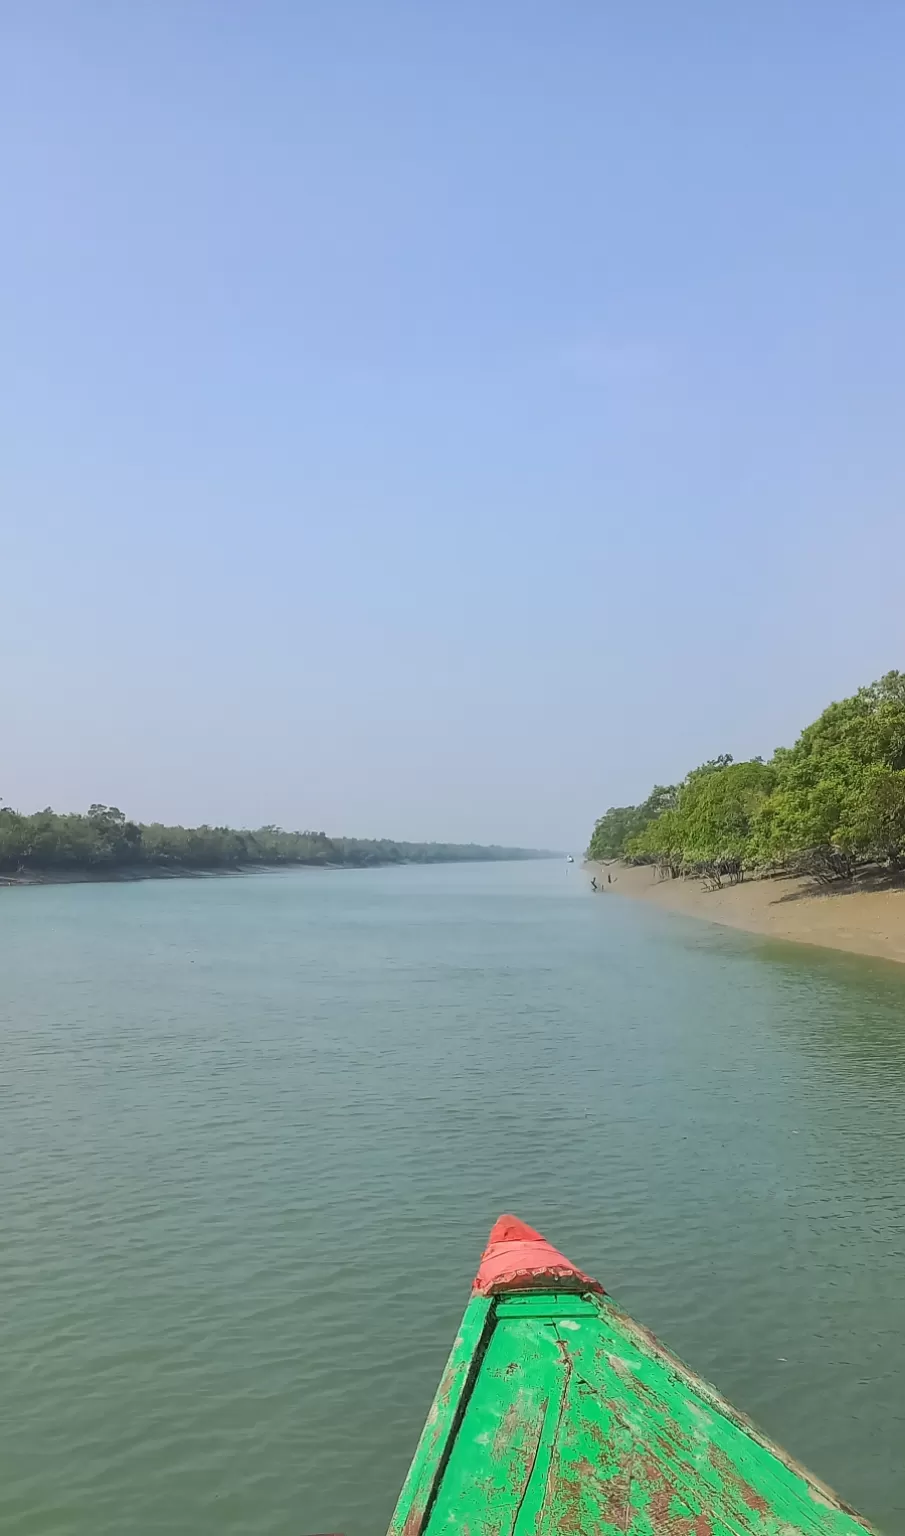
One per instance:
(253,1134)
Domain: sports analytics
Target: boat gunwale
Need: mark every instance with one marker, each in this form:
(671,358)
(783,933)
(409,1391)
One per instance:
(420,1489)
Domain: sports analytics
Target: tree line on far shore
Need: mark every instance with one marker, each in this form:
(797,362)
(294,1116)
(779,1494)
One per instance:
(833,802)
(104,840)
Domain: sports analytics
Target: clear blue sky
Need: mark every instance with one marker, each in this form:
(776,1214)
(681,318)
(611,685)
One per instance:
(442,421)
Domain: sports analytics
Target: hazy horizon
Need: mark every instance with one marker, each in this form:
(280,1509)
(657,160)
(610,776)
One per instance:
(442,426)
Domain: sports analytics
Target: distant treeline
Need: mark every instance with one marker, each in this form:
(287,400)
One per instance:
(834,801)
(104,840)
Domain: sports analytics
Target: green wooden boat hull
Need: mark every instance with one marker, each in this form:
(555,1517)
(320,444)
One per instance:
(557,1415)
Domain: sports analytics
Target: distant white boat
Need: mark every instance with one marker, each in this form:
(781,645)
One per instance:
(569,859)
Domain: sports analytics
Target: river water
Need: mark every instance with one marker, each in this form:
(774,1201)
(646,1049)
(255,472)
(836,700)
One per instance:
(253,1132)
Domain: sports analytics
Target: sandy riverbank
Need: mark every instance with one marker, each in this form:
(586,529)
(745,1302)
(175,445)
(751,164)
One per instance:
(129,875)
(107,876)
(867,920)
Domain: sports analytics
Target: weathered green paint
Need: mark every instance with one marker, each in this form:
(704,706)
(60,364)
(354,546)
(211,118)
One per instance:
(559,1416)
(439,1433)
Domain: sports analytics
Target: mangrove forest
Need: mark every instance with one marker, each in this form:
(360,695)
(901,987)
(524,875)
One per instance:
(833,802)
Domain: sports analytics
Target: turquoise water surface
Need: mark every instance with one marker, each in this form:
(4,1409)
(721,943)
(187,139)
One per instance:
(253,1132)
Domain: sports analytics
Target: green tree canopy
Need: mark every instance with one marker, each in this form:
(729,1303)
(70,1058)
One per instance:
(837,786)
(623,824)
(104,841)
(714,816)
(837,795)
